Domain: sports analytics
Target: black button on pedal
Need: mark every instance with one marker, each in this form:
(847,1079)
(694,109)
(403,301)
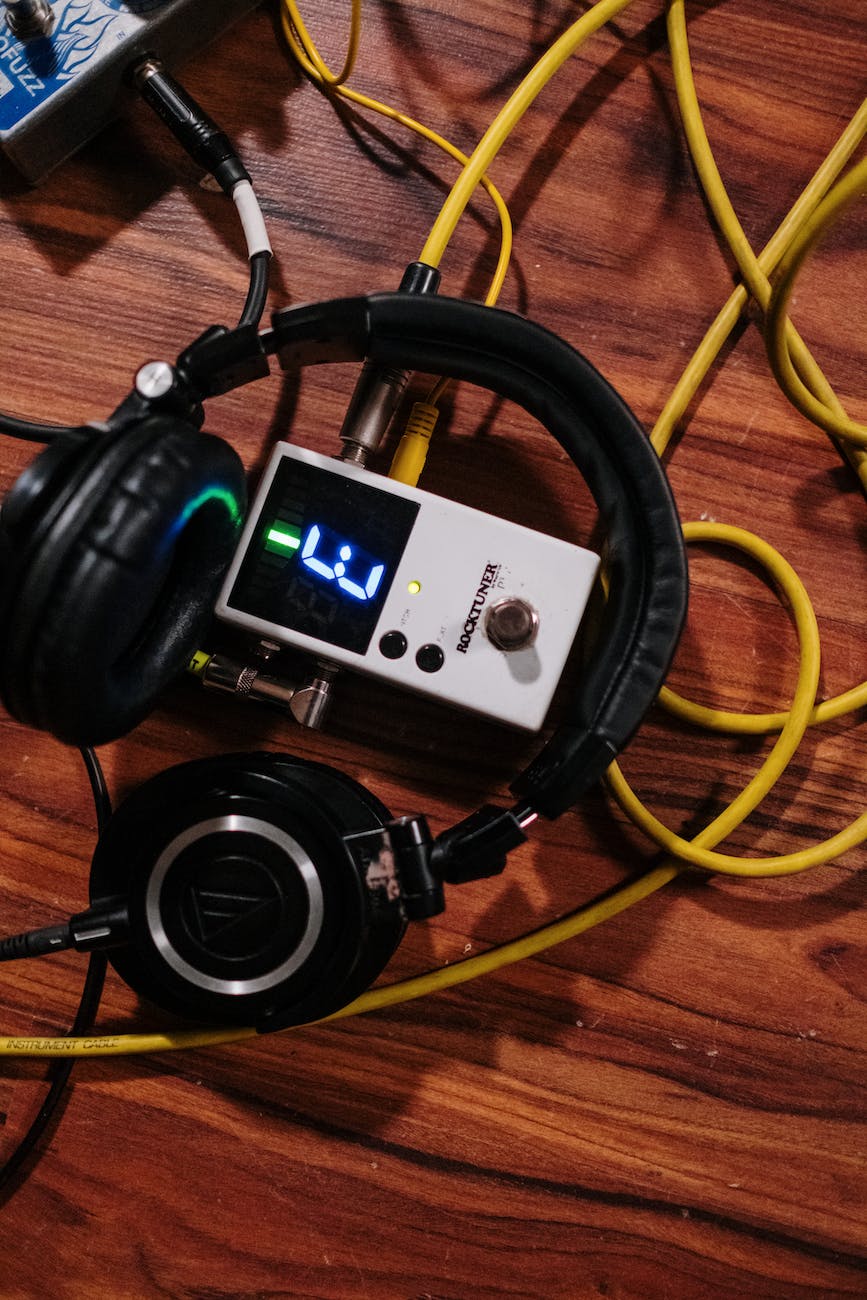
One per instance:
(393,645)
(430,658)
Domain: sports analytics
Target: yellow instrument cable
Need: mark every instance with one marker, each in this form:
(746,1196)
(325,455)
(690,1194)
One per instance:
(310,60)
(699,852)
(767,260)
(825,411)
(797,234)
(508,118)
(699,365)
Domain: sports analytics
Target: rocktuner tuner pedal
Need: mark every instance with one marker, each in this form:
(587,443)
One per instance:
(399,584)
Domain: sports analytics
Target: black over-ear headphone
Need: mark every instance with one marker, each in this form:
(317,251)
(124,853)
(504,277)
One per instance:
(258,888)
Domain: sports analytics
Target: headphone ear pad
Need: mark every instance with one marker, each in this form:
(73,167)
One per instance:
(114,577)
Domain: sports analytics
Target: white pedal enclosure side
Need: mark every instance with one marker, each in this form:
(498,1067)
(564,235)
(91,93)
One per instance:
(409,587)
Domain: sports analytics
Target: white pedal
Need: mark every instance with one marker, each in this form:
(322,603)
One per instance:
(394,582)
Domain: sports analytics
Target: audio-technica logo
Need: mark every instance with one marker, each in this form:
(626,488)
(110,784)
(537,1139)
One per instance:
(231,923)
(489,577)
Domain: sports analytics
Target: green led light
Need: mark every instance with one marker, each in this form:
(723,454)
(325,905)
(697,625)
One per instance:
(281,539)
(413,587)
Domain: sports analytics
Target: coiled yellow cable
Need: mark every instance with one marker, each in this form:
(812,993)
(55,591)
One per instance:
(827,410)
(756,271)
(795,722)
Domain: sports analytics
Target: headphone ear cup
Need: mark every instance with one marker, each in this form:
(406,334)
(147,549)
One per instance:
(43,480)
(245,879)
(24,505)
(114,564)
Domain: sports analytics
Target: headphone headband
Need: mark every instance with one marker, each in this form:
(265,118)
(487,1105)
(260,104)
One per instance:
(500,351)
(113,569)
(645,556)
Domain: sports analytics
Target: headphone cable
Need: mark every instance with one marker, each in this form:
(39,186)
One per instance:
(210,148)
(35,431)
(88,1005)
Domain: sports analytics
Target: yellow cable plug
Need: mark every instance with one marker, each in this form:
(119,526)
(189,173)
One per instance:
(408,461)
(199,663)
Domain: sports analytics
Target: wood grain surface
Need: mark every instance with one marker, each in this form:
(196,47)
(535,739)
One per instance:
(673,1105)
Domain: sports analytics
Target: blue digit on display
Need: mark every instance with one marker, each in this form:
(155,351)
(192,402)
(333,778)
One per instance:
(311,541)
(337,571)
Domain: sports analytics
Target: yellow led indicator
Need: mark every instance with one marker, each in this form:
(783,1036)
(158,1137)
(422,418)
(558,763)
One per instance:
(413,588)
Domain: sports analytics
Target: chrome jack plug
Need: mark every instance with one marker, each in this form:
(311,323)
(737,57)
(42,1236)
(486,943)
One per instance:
(29,19)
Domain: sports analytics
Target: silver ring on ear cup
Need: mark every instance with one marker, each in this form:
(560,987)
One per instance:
(231,824)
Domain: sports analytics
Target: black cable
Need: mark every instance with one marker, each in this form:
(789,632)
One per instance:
(36,943)
(35,431)
(87,1007)
(210,148)
(61,1070)
(257,294)
(98,788)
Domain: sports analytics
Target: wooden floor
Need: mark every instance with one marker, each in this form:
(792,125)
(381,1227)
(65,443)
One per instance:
(673,1105)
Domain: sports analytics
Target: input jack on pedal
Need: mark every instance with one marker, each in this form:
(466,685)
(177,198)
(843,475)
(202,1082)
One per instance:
(308,702)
